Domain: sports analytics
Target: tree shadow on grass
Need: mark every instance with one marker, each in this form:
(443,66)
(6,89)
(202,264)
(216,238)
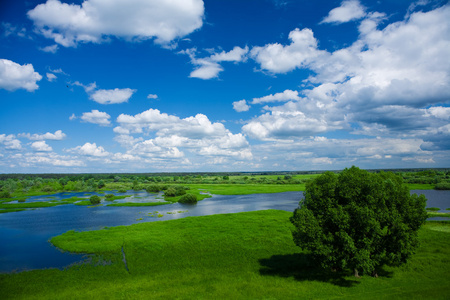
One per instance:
(299,266)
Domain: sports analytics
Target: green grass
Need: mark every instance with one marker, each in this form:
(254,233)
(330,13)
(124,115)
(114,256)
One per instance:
(438,214)
(246,189)
(232,256)
(420,186)
(433,208)
(83,203)
(7,210)
(139,204)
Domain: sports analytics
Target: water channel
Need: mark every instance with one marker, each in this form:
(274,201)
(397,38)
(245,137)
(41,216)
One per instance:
(25,234)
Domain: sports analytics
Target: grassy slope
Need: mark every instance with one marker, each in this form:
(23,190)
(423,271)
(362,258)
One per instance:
(232,256)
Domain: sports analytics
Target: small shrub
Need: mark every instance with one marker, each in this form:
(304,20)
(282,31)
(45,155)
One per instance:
(433,208)
(174,191)
(170,192)
(95,199)
(109,196)
(101,184)
(122,190)
(47,188)
(442,186)
(188,199)
(154,188)
(5,194)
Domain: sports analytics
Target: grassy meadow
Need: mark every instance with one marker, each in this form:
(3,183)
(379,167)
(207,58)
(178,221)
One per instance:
(230,256)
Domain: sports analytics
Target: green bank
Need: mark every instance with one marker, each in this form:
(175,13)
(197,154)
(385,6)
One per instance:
(247,255)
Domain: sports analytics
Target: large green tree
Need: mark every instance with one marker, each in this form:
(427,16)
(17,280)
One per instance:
(358,220)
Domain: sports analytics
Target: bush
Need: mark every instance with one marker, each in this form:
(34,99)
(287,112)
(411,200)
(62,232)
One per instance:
(95,199)
(47,189)
(101,184)
(109,196)
(188,199)
(5,194)
(154,188)
(122,190)
(174,191)
(442,186)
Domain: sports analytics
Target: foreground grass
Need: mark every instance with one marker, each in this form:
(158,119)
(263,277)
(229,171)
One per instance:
(233,256)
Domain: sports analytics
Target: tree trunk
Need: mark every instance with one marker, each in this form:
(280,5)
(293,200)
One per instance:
(356,273)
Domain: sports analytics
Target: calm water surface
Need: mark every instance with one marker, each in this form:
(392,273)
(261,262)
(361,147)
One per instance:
(25,234)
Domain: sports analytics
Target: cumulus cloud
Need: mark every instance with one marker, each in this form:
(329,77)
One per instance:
(278,97)
(348,11)
(96,117)
(284,125)
(41,146)
(384,84)
(102,96)
(209,67)
(14,76)
(318,152)
(174,136)
(114,96)
(89,149)
(51,159)
(277,58)
(57,136)
(152,96)
(94,21)
(10,142)
(241,106)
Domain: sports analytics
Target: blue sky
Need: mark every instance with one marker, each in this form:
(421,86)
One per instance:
(192,85)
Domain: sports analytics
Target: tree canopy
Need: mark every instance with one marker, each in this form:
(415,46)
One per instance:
(358,220)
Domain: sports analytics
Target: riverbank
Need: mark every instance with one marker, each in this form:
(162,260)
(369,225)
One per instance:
(229,256)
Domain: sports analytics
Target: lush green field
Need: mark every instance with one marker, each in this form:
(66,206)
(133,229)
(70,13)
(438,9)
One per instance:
(233,256)
(246,189)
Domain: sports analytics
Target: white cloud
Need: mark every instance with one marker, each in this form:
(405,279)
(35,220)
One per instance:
(57,136)
(206,70)
(317,153)
(348,11)
(440,112)
(14,76)
(89,149)
(10,142)
(51,77)
(278,97)
(240,106)
(193,136)
(209,67)
(114,96)
(94,20)
(285,125)
(41,146)
(96,117)
(238,54)
(51,159)
(391,82)
(152,96)
(277,58)
(50,49)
